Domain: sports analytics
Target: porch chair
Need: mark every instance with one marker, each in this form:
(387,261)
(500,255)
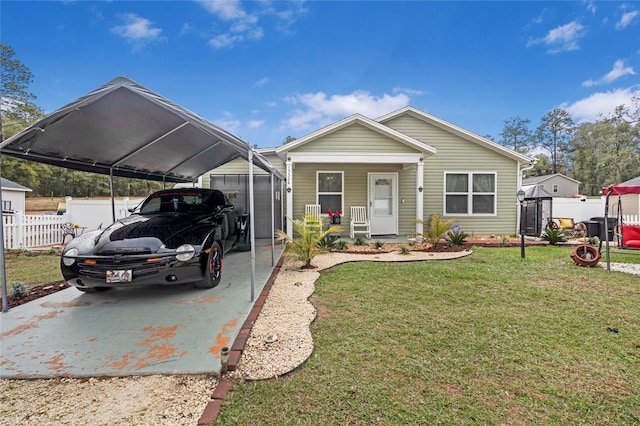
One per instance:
(312,219)
(68,228)
(359,220)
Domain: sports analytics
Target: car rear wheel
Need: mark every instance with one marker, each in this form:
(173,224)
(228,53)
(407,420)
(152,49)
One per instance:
(213,268)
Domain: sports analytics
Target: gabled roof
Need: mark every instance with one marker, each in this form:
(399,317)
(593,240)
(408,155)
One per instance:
(458,131)
(634,181)
(536,191)
(12,186)
(125,129)
(363,121)
(540,179)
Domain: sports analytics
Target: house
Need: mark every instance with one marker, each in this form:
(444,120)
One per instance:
(13,195)
(556,184)
(404,166)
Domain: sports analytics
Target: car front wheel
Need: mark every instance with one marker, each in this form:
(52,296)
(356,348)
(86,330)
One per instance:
(213,268)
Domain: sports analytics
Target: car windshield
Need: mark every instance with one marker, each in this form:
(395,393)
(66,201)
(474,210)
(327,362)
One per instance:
(178,202)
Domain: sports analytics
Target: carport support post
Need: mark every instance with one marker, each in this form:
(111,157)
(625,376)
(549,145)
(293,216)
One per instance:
(113,202)
(251,224)
(3,269)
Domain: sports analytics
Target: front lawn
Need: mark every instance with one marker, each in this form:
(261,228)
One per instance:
(490,339)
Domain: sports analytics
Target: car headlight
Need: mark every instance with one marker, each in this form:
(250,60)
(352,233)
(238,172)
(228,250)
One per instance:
(68,261)
(185,252)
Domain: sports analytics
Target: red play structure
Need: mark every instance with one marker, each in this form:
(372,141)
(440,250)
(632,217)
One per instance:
(629,234)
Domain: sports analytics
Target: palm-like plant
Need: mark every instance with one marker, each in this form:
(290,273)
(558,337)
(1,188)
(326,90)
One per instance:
(306,243)
(435,229)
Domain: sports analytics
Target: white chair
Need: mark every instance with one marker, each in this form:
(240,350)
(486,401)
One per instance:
(359,223)
(312,219)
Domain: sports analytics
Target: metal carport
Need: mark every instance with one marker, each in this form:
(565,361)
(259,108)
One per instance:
(125,129)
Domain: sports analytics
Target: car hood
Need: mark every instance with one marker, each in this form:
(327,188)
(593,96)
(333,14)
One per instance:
(146,234)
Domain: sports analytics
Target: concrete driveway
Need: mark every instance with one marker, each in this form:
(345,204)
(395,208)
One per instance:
(120,332)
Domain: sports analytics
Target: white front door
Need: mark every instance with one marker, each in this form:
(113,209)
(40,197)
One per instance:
(383,203)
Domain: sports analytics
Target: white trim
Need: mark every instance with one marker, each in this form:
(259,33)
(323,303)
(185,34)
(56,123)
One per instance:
(288,187)
(341,193)
(419,197)
(335,157)
(469,193)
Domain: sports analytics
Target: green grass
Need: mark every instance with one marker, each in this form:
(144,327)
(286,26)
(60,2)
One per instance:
(32,270)
(489,339)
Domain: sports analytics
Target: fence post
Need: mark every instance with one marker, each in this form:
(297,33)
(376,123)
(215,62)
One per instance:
(18,240)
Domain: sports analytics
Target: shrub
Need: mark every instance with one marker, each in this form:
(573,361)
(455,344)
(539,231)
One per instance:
(554,236)
(341,245)
(359,241)
(18,290)
(404,250)
(379,244)
(504,240)
(435,229)
(456,238)
(328,241)
(307,245)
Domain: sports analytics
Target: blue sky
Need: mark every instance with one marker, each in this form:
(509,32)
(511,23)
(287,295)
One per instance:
(266,70)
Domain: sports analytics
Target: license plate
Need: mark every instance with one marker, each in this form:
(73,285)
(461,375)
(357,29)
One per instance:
(119,276)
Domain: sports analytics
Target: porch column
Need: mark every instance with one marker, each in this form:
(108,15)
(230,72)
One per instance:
(289,189)
(419,195)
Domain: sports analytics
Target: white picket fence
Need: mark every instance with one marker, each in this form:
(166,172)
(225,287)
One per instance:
(631,219)
(27,231)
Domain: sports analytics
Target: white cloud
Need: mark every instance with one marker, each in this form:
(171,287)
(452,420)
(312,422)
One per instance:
(244,24)
(619,70)
(317,109)
(600,104)
(627,19)
(591,7)
(136,30)
(262,82)
(408,91)
(227,10)
(561,39)
(254,124)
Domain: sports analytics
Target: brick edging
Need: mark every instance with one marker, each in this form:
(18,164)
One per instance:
(214,405)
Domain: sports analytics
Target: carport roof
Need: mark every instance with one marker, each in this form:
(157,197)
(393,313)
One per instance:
(126,129)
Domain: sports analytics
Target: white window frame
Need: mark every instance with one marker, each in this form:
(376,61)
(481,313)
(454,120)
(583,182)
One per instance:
(318,193)
(555,188)
(469,193)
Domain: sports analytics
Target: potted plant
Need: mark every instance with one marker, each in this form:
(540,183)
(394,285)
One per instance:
(585,255)
(334,217)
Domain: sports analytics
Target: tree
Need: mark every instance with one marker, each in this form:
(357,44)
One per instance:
(542,167)
(553,134)
(517,135)
(288,139)
(17,110)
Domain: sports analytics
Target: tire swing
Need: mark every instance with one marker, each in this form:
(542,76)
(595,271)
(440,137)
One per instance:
(585,255)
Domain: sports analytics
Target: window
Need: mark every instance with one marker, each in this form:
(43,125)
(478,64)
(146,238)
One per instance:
(555,188)
(330,191)
(470,193)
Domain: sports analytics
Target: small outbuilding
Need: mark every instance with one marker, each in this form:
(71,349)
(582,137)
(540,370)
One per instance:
(537,208)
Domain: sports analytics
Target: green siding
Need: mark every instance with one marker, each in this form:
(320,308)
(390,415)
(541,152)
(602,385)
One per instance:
(355,190)
(457,154)
(353,139)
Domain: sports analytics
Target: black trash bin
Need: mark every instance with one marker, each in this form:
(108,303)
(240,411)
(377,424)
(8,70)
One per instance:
(593,228)
(612,222)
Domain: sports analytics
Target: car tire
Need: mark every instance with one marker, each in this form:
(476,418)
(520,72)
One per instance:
(213,268)
(93,289)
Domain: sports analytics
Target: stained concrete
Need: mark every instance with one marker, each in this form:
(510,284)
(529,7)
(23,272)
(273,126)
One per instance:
(120,332)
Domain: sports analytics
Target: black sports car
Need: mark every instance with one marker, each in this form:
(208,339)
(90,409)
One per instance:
(174,236)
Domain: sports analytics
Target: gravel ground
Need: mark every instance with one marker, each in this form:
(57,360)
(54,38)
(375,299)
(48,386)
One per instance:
(179,400)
